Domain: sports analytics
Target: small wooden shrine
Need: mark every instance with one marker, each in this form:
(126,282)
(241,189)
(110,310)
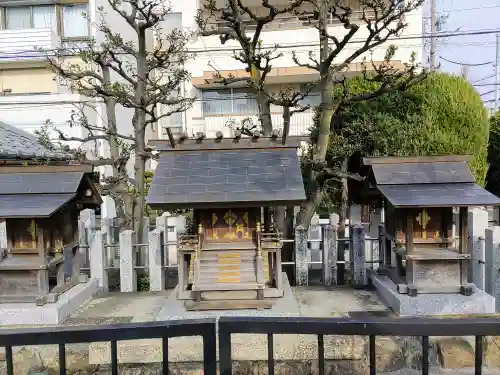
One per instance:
(234,252)
(41,195)
(420,254)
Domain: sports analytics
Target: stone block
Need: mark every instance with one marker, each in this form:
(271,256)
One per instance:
(455,353)
(128,274)
(437,272)
(431,304)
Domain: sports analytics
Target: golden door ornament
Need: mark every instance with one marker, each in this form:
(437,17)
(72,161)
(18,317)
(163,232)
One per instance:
(230,218)
(423,219)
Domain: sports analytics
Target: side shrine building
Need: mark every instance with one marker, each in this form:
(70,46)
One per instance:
(424,267)
(42,192)
(235,252)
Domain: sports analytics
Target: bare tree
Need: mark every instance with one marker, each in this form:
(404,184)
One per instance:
(140,74)
(232,23)
(382,19)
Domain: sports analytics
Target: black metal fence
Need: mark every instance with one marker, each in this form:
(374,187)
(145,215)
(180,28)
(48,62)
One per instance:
(227,326)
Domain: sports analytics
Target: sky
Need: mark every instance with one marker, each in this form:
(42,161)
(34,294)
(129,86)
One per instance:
(466,15)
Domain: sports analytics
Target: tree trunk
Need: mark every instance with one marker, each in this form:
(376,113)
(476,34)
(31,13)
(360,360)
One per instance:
(140,133)
(344,200)
(280,211)
(315,196)
(263,103)
(124,210)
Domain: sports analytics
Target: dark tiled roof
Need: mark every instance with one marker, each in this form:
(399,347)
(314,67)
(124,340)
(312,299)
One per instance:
(36,194)
(32,205)
(194,178)
(422,173)
(40,183)
(19,144)
(438,195)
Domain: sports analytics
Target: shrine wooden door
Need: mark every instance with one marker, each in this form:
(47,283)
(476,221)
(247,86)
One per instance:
(230,224)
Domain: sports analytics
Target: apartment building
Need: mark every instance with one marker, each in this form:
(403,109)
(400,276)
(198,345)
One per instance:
(216,106)
(30,94)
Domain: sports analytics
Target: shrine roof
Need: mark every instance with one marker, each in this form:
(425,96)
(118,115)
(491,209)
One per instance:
(438,195)
(17,144)
(39,191)
(431,181)
(234,174)
(420,170)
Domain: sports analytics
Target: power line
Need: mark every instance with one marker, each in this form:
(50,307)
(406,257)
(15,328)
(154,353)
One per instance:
(438,35)
(465,64)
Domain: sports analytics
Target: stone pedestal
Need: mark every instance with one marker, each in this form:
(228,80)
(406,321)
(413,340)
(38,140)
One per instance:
(431,304)
(128,275)
(301,256)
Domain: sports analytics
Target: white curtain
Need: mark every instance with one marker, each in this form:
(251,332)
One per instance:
(18,17)
(44,17)
(74,23)
(216,102)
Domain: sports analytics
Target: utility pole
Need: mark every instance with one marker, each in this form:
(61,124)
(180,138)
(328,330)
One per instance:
(433,35)
(497,74)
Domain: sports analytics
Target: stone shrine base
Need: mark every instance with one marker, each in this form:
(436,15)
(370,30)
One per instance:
(52,313)
(285,306)
(431,304)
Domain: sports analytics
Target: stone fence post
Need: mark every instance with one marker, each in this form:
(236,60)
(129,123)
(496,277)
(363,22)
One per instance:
(301,256)
(357,256)
(128,274)
(3,235)
(86,232)
(330,246)
(106,229)
(372,253)
(156,260)
(477,224)
(98,261)
(492,271)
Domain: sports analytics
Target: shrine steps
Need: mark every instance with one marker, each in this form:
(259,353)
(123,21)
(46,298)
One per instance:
(228,274)
(227,268)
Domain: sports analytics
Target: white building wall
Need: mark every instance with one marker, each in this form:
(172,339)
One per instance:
(302,40)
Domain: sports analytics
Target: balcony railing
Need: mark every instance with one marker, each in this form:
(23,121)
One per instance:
(227,326)
(21,44)
(287,22)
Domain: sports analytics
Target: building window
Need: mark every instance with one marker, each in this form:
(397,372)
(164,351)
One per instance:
(32,17)
(229,101)
(72,24)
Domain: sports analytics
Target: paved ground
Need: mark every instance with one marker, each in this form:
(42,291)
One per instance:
(145,306)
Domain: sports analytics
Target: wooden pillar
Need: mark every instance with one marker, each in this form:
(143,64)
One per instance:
(40,243)
(463,233)
(409,231)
